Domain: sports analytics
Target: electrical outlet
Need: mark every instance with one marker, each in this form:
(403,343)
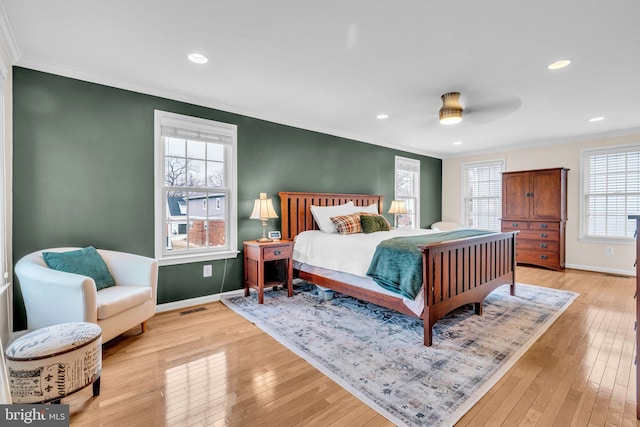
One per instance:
(609,250)
(207,270)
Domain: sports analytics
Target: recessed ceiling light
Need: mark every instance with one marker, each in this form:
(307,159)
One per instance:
(382,116)
(596,119)
(559,64)
(457,143)
(198,58)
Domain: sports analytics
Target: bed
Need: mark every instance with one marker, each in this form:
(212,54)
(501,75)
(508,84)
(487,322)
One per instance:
(454,272)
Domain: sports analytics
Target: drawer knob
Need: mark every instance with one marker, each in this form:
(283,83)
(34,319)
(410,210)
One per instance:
(276,252)
(543,245)
(543,225)
(543,256)
(515,224)
(544,235)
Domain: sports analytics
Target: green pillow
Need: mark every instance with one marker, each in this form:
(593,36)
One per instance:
(86,261)
(373,223)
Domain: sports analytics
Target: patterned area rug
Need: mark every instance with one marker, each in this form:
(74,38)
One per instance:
(377,354)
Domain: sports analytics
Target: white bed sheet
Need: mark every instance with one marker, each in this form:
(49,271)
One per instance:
(346,258)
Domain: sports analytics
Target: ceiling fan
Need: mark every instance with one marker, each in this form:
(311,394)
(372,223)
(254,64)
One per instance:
(484,107)
(451,111)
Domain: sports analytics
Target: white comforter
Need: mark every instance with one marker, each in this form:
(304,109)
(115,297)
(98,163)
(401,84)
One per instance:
(350,253)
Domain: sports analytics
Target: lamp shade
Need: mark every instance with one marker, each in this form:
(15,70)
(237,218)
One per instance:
(398,207)
(263,208)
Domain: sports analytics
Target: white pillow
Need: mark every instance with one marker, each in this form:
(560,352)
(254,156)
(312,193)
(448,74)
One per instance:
(447,226)
(368,209)
(323,214)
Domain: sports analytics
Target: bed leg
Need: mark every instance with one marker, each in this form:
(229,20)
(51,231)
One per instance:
(428,339)
(513,289)
(477,308)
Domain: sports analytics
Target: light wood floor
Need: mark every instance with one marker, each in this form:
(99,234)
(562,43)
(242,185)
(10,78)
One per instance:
(214,368)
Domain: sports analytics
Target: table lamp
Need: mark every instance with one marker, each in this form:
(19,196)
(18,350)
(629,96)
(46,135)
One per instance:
(263,210)
(397,208)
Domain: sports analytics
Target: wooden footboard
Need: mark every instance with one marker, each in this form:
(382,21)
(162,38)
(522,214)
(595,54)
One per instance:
(463,272)
(455,273)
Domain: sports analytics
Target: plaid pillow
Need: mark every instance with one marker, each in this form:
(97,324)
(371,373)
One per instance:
(347,224)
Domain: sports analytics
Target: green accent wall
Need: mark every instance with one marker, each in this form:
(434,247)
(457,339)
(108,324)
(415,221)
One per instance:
(83,174)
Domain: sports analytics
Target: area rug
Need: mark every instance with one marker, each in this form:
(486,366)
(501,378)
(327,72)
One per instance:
(377,354)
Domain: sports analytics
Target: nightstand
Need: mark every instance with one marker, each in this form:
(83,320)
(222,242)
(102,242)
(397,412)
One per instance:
(257,255)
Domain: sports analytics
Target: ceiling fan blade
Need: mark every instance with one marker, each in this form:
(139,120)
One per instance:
(485,108)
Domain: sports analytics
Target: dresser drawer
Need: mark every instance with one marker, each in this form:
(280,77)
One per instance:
(546,259)
(553,236)
(514,225)
(538,245)
(276,252)
(541,225)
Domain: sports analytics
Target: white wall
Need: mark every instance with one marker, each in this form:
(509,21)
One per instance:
(580,255)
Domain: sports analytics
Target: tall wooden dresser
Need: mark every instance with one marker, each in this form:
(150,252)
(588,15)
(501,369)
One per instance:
(534,202)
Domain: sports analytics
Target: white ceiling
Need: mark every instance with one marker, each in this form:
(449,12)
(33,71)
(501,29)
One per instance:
(333,65)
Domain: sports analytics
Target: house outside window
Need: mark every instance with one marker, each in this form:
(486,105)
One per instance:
(407,189)
(195,161)
(610,189)
(482,194)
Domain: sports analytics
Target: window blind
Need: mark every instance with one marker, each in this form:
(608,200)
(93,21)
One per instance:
(611,191)
(482,194)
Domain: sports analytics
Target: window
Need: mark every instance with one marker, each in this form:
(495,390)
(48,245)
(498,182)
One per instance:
(407,189)
(195,160)
(482,193)
(610,192)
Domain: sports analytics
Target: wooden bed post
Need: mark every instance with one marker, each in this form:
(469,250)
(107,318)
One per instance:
(427,280)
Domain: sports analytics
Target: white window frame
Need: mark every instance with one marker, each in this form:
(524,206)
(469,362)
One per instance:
(585,194)
(465,189)
(405,163)
(6,290)
(230,250)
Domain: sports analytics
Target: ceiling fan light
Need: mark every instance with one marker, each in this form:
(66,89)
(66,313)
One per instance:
(450,117)
(451,111)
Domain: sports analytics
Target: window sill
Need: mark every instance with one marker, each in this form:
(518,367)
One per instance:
(201,257)
(608,240)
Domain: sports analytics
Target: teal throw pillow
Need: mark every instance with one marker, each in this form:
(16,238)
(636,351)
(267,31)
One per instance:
(373,223)
(86,261)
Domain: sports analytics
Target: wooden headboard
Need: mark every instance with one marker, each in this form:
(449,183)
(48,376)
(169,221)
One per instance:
(295,208)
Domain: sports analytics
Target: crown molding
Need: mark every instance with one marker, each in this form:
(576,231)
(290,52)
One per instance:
(7,38)
(615,133)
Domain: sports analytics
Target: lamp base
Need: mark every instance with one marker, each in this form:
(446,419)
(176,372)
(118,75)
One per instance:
(264,237)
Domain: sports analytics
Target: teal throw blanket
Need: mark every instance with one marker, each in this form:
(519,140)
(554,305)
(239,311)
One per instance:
(397,263)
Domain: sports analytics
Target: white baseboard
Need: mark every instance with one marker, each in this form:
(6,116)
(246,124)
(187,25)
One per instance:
(176,305)
(601,270)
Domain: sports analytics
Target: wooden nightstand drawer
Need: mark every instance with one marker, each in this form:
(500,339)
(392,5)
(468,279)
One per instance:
(276,252)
